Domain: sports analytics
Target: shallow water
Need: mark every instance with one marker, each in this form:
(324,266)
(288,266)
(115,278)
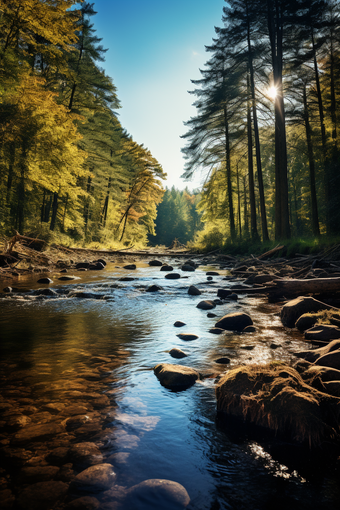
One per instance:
(64,351)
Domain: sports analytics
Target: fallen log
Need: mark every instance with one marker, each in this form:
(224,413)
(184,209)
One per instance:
(313,286)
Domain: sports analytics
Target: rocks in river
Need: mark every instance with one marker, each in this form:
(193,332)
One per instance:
(84,503)
(234,321)
(331,360)
(37,433)
(211,315)
(187,336)
(7,289)
(249,329)
(45,292)
(68,278)
(224,293)
(176,377)
(217,331)
(82,265)
(179,324)
(206,305)
(212,273)
(166,268)
(172,276)
(130,266)
(292,310)
(187,267)
(313,355)
(96,266)
(194,291)
(154,288)
(95,478)
(155,263)
(223,361)
(157,493)
(47,281)
(42,495)
(177,353)
(85,454)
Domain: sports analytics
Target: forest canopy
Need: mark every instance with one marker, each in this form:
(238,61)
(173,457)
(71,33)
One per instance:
(68,167)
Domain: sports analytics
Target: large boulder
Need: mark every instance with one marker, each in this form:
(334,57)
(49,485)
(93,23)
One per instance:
(314,354)
(176,377)
(292,310)
(234,321)
(331,359)
(277,398)
(157,494)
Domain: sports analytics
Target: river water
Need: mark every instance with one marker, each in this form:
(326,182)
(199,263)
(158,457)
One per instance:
(86,361)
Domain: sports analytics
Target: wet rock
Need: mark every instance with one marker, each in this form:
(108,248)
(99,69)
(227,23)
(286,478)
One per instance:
(125,279)
(176,377)
(42,495)
(172,276)
(154,288)
(16,457)
(322,332)
(95,478)
(156,493)
(130,266)
(85,454)
(166,268)
(45,292)
(233,297)
(84,503)
(97,266)
(194,291)
(212,273)
(7,499)
(58,456)
(45,280)
(74,422)
(82,265)
(17,422)
(249,329)
(68,278)
(209,278)
(211,315)
(102,261)
(234,321)
(206,305)
(7,289)
(66,473)
(260,278)
(155,263)
(37,433)
(119,458)
(179,324)
(313,355)
(33,474)
(187,336)
(217,331)
(177,353)
(187,267)
(292,310)
(223,361)
(224,293)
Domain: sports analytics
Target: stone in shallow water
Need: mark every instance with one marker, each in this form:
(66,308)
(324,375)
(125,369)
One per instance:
(95,478)
(234,321)
(187,336)
(176,377)
(37,433)
(206,305)
(177,353)
(179,324)
(85,454)
(42,495)
(157,494)
(84,503)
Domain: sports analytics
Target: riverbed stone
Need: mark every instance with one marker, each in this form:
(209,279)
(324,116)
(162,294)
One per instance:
(47,281)
(331,359)
(187,267)
(130,266)
(166,268)
(314,354)
(179,324)
(177,353)
(95,478)
(176,377)
(217,331)
(172,276)
(292,310)
(96,266)
(207,304)
(155,262)
(157,493)
(42,495)
(224,293)
(234,321)
(223,361)
(84,503)
(33,474)
(154,288)
(194,291)
(37,433)
(85,454)
(187,336)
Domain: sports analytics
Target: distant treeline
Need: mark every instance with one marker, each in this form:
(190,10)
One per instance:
(67,165)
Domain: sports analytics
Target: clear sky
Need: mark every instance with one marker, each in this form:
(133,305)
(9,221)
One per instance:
(155,47)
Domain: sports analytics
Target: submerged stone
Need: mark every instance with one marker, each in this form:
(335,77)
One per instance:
(157,494)
(176,377)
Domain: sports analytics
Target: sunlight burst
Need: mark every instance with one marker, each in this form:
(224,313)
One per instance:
(272,92)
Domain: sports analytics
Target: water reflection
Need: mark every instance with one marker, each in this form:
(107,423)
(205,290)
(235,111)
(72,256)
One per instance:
(79,371)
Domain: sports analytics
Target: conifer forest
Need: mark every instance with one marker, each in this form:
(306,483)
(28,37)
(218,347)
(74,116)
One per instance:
(265,133)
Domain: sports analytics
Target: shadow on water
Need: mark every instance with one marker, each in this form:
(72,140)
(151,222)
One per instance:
(79,370)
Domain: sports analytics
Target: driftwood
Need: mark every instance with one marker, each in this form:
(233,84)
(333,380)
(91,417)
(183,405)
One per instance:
(313,286)
(30,242)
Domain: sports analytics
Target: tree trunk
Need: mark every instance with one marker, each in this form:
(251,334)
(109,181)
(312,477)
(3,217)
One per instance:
(228,168)
(54,211)
(253,222)
(314,203)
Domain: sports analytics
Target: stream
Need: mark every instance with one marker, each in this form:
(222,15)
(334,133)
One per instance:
(77,367)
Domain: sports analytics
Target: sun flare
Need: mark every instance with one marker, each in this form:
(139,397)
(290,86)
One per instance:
(272,92)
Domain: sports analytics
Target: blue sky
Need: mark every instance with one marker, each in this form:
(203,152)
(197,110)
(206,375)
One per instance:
(155,47)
